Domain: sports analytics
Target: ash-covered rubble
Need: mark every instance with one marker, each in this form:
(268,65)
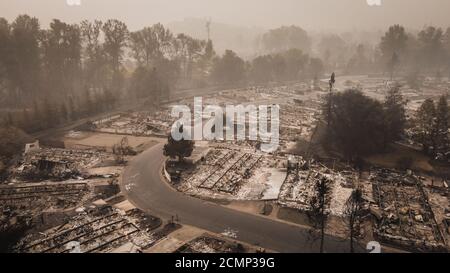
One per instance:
(32,206)
(100,228)
(48,184)
(246,174)
(297,122)
(155,123)
(298,188)
(25,207)
(227,173)
(403,212)
(210,244)
(57,164)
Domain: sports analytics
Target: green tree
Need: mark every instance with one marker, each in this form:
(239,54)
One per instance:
(447,50)
(146,83)
(295,62)
(353,213)
(209,51)
(190,51)
(61,46)
(144,45)
(393,47)
(94,56)
(394,41)
(25,53)
(165,41)
(359,61)
(116,37)
(279,67)
(319,207)
(151,45)
(181,149)
(316,68)
(356,124)
(285,38)
(230,69)
(393,64)
(6,64)
(425,125)
(333,50)
(261,69)
(431,50)
(442,122)
(394,115)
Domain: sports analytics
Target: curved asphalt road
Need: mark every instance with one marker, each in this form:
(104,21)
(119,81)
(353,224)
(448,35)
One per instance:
(144,186)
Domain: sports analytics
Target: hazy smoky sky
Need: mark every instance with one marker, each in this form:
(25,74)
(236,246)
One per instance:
(310,14)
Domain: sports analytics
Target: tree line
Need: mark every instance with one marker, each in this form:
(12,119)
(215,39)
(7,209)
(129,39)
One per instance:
(68,71)
(427,52)
(431,127)
(398,52)
(359,125)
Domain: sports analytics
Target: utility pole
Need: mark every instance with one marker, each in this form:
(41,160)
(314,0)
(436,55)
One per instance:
(332,81)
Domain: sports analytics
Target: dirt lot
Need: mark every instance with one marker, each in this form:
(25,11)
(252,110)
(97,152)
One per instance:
(88,139)
(420,162)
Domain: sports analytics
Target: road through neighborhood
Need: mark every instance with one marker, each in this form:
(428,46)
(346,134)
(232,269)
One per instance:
(144,186)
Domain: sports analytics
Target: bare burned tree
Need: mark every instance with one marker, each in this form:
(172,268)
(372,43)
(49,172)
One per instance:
(122,149)
(353,211)
(319,204)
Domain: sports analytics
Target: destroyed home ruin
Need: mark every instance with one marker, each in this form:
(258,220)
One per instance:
(406,217)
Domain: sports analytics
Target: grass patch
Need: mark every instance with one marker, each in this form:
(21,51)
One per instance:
(294,216)
(419,161)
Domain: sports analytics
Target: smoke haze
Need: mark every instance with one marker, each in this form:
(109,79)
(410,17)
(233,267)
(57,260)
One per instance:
(309,14)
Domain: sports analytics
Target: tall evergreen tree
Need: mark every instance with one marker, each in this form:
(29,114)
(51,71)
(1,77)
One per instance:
(319,207)
(442,125)
(181,149)
(116,37)
(353,211)
(394,115)
(425,125)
